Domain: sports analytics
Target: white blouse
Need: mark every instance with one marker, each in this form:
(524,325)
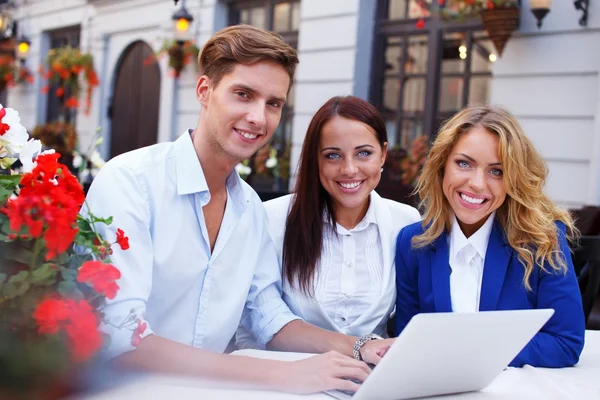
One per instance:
(467,257)
(349,276)
(355,281)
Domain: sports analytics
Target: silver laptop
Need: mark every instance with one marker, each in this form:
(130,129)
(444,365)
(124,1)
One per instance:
(443,353)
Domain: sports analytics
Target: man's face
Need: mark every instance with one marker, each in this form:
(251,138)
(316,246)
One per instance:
(244,108)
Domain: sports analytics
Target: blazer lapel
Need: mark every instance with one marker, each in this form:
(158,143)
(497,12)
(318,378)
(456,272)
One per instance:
(440,274)
(497,258)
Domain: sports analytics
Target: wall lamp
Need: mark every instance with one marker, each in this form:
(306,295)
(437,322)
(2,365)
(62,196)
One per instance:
(582,5)
(540,8)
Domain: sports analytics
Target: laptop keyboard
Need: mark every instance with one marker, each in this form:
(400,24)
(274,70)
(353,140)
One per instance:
(340,394)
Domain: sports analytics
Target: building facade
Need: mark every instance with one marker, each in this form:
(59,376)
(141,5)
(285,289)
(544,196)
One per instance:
(417,68)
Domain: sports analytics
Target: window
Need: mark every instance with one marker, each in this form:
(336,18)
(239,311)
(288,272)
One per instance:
(55,108)
(422,76)
(283,17)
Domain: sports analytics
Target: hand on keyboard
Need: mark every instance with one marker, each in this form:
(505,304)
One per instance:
(324,372)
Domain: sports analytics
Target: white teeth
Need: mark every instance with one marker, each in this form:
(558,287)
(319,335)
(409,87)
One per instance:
(247,135)
(350,185)
(471,200)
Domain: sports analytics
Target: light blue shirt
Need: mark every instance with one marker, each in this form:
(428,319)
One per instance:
(169,278)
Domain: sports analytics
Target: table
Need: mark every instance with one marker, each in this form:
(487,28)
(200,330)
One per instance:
(580,382)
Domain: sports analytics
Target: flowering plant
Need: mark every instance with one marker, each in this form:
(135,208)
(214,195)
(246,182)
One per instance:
(88,163)
(413,163)
(180,55)
(10,75)
(60,136)
(51,295)
(66,67)
(462,9)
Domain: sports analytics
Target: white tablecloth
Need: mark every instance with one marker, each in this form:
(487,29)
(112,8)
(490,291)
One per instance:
(579,382)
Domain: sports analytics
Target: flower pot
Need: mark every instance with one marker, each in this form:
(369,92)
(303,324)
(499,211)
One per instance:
(500,23)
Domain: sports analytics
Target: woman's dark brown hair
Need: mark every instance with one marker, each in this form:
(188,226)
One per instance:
(303,239)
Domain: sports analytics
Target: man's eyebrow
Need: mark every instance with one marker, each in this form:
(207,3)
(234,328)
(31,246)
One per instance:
(253,91)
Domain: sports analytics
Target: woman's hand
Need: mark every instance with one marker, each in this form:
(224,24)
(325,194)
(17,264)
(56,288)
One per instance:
(374,350)
(320,373)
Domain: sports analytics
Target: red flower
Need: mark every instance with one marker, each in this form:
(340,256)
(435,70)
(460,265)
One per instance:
(45,89)
(72,102)
(101,277)
(136,338)
(3,127)
(48,205)
(420,24)
(77,319)
(49,315)
(60,92)
(122,240)
(490,5)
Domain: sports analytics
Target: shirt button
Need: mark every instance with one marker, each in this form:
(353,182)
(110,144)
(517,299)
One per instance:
(349,264)
(348,295)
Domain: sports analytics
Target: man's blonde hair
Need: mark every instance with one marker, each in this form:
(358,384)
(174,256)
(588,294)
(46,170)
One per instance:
(244,44)
(527,215)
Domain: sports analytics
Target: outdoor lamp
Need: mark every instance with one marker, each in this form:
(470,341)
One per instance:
(5,24)
(182,19)
(23,44)
(582,5)
(540,8)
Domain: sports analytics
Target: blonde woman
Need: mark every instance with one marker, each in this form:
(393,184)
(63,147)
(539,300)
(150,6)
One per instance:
(490,239)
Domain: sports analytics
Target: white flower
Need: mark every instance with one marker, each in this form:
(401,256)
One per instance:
(13,140)
(243,170)
(96,160)
(271,163)
(27,154)
(49,151)
(94,172)
(83,175)
(77,160)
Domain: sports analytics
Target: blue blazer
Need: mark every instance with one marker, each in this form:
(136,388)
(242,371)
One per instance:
(423,286)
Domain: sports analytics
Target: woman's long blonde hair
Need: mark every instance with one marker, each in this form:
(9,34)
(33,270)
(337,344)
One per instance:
(527,215)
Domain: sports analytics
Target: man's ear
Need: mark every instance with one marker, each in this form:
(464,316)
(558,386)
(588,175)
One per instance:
(203,89)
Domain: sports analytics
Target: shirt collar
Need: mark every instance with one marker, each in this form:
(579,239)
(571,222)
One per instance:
(190,175)
(479,240)
(367,220)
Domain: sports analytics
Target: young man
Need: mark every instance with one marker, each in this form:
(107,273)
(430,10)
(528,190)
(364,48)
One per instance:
(201,258)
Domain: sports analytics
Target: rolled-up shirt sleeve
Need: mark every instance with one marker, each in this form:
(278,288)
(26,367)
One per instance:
(265,312)
(116,192)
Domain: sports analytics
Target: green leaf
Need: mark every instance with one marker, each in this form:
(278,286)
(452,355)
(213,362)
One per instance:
(68,274)
(69,289)
(44,275)
(20,254)
(17,285)
(19,277)
(106,221)
(84,225)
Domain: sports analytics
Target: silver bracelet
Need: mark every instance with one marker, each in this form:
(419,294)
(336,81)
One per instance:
(361,342)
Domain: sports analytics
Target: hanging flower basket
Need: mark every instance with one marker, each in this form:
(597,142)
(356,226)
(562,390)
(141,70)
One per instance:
(11,74)
(67,67)
(500,23)
(180,55)
(500,18)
